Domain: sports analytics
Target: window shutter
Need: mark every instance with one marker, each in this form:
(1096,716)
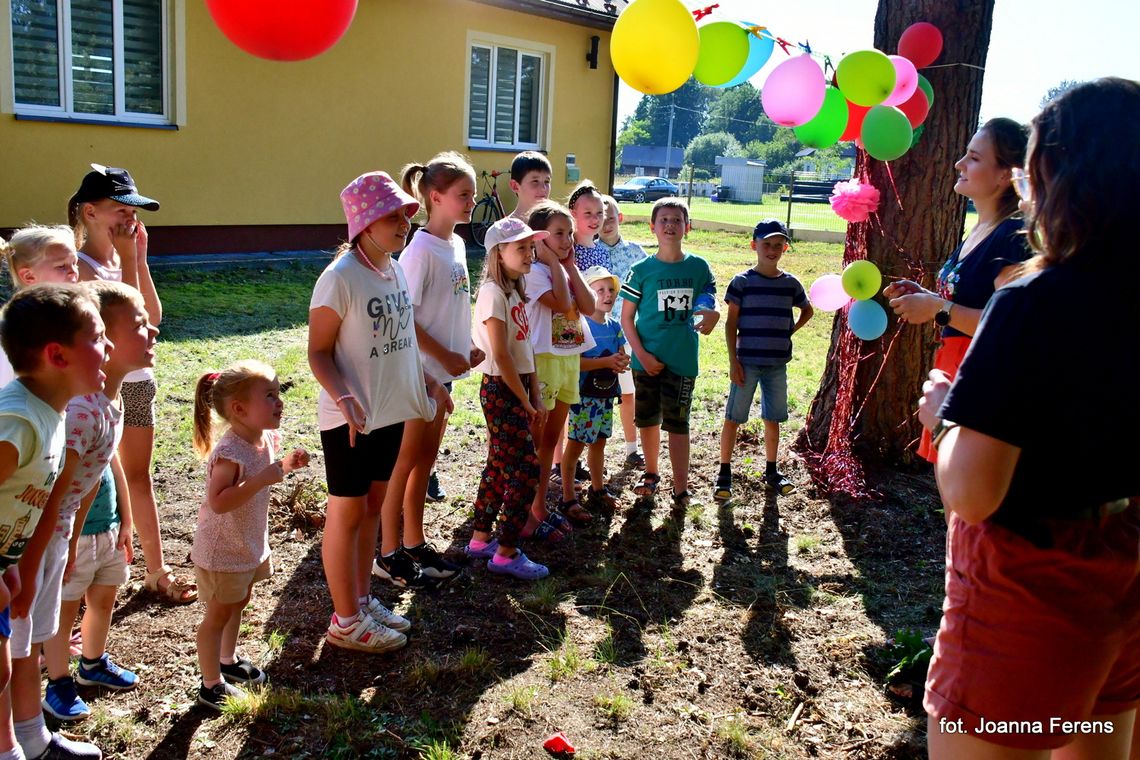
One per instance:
(529,94)
(35,52)
(142,56)
(92,57)
(477,119)
(506,76)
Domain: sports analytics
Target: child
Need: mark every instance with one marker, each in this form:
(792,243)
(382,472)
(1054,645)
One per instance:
(35,255)
(662,296)
(231,544)
(54,338)
(113,246)
(530,181)
(511,401)
(589,212)
(591,419)
(94,426)
(435,265)
(363,352)
(623,254)
(557,296)
(759,332)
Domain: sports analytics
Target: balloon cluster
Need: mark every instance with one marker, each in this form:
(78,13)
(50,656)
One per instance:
(857,285)
(874,98)
(283,30)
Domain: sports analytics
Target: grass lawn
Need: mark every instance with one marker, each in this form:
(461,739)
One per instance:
(753,629)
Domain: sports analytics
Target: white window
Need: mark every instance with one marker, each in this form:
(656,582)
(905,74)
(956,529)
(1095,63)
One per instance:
(508,93)
(100,60)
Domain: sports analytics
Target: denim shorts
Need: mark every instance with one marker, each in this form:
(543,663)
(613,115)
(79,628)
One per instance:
(773,394)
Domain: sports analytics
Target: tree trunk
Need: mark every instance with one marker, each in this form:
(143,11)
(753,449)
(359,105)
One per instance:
(913,235)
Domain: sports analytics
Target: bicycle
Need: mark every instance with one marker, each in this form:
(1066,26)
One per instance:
(489,208)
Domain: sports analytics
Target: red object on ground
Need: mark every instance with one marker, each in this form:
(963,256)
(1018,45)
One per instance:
(283,30)
(921,43)
(558,744)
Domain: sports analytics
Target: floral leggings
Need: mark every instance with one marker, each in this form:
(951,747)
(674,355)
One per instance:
(511,475)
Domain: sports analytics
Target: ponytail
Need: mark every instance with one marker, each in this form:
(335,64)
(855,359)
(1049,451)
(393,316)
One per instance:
(75,220)
(203,419)
(439,173)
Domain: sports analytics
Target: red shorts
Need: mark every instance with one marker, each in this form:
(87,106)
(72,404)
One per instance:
(947,358)
(1032,637)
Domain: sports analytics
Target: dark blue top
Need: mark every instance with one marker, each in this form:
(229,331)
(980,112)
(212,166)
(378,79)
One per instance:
(1043,375)
(764,326)
(969,282)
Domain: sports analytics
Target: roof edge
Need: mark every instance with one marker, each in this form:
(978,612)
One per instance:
(560,11)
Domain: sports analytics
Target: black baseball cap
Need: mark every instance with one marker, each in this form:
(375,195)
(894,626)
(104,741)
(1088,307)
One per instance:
(116,184)
(766,228)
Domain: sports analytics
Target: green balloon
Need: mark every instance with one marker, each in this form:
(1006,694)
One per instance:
(862,280)
(825,129)
(924,85)
(917,134)
(866,77)
(886,133)
(724,51)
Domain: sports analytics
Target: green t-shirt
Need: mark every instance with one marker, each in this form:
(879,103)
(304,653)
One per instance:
(104,512)
(664,294)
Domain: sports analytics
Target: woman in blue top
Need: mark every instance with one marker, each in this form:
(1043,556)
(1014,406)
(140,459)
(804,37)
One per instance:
(984,259)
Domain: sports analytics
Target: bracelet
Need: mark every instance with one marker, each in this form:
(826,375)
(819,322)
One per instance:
(342,398)
(940,430)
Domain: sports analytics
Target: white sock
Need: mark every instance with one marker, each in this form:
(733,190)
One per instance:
(346,622)
(33,736)
(630,447)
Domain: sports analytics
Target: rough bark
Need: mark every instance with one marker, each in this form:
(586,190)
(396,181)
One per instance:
(918,231)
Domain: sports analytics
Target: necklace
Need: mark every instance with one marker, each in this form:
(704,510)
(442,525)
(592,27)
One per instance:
(980,232)
(384,275)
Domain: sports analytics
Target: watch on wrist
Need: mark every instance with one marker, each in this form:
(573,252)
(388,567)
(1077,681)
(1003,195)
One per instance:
(939,432)
(942,318)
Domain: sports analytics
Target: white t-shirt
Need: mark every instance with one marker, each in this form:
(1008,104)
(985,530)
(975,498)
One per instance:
(36,431)
(376,351)
(560,334)
(438,283)
(7,374)
(490,302)
(93,430)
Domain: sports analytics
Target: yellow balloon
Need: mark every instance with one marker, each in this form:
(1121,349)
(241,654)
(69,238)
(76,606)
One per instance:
(654,45)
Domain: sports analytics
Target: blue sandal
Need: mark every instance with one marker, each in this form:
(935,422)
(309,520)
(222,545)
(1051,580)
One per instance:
(553,529)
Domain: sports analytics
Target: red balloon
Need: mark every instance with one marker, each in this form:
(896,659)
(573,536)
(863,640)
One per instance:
(855,116)
(283,30)
(921,43)
(916,108)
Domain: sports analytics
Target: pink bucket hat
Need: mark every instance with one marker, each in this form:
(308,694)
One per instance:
(508,230)
(371,196)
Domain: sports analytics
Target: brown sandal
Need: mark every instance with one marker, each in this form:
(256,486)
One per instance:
(574,510)
(176,590)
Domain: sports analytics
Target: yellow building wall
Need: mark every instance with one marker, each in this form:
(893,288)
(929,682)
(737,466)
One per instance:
(273,143)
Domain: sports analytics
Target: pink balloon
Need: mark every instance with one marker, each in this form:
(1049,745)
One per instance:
(906,81)
(794,91)
(827,293)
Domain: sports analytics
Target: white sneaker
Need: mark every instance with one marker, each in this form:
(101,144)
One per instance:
(365,635)
(385,616)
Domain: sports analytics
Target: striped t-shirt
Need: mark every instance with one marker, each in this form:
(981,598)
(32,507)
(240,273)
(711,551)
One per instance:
(764,327)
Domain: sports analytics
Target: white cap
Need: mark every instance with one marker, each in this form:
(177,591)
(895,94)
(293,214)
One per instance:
(510,229)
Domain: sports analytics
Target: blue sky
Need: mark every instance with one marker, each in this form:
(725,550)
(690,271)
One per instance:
(1034,44)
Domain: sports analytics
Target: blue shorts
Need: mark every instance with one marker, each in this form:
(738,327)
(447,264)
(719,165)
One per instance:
(5,624)
(773,383)
(591,419)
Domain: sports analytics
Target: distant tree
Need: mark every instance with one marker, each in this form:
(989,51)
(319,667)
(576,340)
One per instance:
(704,149)
(1054,92)
(690,104)
(738,111)
(778,152)
(633,132)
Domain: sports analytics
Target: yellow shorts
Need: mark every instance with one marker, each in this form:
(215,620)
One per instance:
(229,588)
(557,378)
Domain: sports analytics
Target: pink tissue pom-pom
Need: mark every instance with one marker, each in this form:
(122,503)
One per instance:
(854,201)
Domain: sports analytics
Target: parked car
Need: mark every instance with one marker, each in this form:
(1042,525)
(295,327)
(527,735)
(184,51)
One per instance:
(642,189)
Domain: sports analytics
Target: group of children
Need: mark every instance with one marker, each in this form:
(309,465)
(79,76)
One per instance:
(386,341)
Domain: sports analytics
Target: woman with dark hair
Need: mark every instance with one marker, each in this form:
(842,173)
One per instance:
(1039,646)
(984,259)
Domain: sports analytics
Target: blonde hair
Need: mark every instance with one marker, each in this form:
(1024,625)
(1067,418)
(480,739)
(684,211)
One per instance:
(28,247)
(440,173)
(214,392)
(109,294)
(494,271)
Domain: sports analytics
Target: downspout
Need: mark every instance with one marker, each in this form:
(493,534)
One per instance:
(614,134)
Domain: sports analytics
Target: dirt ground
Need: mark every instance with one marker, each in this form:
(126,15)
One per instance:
(754,629)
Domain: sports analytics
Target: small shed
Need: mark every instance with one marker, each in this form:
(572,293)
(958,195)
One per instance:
(744,175)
